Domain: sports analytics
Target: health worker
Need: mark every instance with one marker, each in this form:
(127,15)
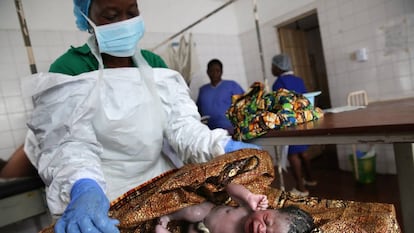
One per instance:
(298,155)
(101,115)
(215,97)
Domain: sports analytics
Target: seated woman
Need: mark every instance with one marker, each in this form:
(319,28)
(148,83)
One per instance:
(140,209)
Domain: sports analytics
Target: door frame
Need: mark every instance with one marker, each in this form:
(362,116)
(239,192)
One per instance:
(320,82)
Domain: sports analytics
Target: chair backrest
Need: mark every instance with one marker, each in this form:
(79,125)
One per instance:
(357,98)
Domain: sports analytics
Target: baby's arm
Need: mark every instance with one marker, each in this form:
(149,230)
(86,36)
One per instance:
(192,214)
(243,196)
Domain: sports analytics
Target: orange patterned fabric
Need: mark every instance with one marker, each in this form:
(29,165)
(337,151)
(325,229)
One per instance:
(139,208)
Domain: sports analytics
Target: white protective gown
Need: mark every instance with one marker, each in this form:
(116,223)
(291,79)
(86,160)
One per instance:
(111,129)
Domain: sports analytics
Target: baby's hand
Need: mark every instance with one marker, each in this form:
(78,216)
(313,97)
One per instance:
(263,203)
(258,202)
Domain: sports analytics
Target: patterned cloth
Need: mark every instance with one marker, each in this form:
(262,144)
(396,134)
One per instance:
(138,210)
(255,113)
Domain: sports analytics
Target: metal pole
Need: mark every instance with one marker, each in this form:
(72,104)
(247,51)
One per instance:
(259,40)
(26,37)
(193,24)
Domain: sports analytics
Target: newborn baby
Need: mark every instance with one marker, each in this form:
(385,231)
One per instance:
(251,216)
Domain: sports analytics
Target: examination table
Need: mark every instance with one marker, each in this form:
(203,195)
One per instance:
(21,198)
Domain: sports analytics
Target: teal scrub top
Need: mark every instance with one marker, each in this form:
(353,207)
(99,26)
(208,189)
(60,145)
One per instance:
(78,60)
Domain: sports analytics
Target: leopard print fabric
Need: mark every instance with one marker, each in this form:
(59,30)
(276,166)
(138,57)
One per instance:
(138,210)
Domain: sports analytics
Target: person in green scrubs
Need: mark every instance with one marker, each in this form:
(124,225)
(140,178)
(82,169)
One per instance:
(78,60)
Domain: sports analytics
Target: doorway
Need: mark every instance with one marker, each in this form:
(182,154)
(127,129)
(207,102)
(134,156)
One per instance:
(300,38)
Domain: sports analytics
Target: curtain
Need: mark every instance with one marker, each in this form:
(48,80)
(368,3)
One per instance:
(182,58)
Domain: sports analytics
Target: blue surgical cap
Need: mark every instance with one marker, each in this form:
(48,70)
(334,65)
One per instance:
(282,61)
(78,7)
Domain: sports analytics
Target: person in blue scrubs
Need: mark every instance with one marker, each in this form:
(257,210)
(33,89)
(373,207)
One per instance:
(214,98)
(282,69)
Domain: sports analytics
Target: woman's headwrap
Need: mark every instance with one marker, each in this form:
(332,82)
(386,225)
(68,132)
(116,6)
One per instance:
(78,7)
(282,61)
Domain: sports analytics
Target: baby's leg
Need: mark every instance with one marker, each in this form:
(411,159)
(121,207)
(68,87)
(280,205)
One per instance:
(160,229)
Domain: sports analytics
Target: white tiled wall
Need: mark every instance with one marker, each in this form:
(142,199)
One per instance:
(12,108)
(385,28)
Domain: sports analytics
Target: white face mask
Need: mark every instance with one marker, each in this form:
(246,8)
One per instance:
(119,39)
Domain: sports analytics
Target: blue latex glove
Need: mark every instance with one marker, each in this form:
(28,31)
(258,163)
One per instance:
(87,210)
(237,145)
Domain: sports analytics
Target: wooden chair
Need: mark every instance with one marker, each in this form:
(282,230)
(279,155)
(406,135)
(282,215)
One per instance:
(357,98)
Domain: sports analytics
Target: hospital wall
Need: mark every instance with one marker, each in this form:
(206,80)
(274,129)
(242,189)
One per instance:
(385,28)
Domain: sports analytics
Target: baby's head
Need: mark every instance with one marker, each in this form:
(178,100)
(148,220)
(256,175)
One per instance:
(300,220)
(288,219)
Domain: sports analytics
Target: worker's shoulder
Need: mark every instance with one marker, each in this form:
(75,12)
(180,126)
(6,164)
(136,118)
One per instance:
(229,81)
(164,72)
(153,59)
(75,53)
(75,61)
(290,76)
(205,86)
(168,77)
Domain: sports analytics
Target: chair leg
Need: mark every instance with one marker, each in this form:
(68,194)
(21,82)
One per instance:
(278,152)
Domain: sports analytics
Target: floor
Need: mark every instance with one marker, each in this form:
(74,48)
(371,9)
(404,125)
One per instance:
(334,183)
